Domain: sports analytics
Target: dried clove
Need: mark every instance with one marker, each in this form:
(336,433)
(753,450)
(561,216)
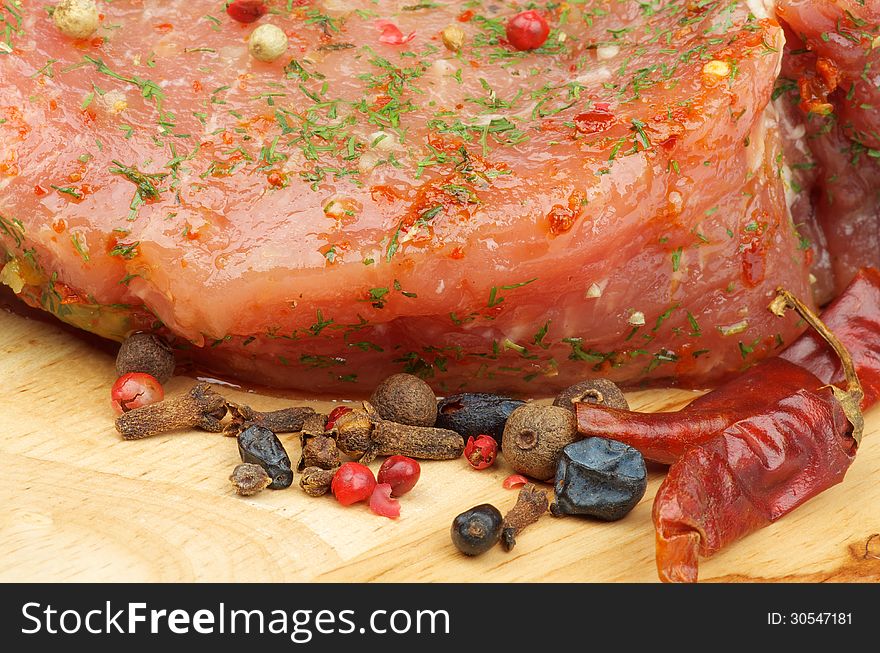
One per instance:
(596,391)
(200,408)
(316,481)
(313,427)
(534,437)
(364,433)
(320,451)
(530,505)
(147,353)
(286,420)
(248,479)
(405,399)
(259,445)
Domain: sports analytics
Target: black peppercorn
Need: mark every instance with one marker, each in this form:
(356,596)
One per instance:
(600,478)
(473,413)
(261,446)
(475,531)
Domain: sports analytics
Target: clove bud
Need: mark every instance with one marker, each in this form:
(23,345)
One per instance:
(365,434)
(530,505)
(316,481)
(286,420)
(248,479)
(314,427)
(200,408)
(322,452)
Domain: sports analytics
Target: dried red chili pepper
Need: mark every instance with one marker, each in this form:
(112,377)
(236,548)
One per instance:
(665,437)
(854,317)
(759,468)
(751,474)
(808,363)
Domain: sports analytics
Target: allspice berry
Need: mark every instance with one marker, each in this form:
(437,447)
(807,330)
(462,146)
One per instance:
(147,353)
(534,438)
(596,391)
(405,399)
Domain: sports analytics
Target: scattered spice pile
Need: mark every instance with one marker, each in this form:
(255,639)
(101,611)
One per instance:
(718,488)
(403,421)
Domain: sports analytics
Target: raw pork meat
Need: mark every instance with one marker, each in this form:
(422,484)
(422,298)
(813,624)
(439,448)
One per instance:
(829,90)
(609,204)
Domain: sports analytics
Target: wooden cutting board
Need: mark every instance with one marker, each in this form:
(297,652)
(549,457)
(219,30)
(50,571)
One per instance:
(80,504)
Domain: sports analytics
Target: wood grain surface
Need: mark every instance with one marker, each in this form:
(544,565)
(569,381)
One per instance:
(81,504)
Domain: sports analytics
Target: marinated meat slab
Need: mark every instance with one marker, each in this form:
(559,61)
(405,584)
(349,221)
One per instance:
(382,199)
(830,90)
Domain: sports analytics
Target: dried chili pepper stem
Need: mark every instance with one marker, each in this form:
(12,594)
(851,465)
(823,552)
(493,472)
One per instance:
(286,420)
(851,398)
(200,408)
(530,505)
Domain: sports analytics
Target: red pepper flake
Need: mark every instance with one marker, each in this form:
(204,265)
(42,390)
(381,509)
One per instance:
(814,97)
(753,263)
(595,120)
(457,253)
(829,72)
(465,16)
(39,191)
(514,481)
(669,144)
(391,33)
(276,179)
(196,86)
(247,11)
(59,226)
(163,28)
(383,192)
(808,256)
(97,42)
(192,234)
(560,219)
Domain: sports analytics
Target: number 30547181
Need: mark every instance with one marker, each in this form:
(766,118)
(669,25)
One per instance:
(809,618)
